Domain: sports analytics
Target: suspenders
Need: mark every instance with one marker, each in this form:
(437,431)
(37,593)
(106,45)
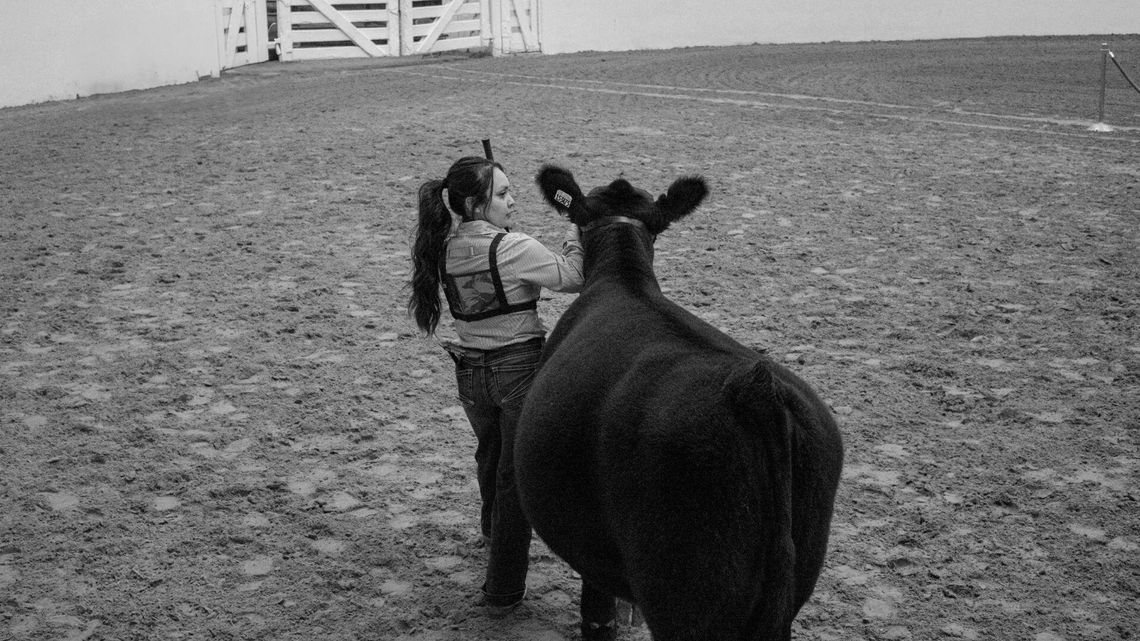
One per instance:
(470,302)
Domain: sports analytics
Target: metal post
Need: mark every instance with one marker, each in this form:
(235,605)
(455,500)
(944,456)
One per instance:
(1103,73)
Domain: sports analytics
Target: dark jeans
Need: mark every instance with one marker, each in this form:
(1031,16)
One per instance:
(492,388)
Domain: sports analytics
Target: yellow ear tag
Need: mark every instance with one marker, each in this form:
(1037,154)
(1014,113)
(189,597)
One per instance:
(563,198)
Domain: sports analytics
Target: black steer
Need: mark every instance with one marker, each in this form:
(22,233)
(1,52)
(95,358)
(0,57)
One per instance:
(668,464)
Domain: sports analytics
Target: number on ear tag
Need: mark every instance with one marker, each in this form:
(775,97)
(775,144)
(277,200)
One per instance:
(563,198)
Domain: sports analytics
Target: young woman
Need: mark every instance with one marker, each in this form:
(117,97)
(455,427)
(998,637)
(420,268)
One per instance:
(491,279)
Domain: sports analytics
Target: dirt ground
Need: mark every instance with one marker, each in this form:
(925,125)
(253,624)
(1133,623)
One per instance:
(216,421)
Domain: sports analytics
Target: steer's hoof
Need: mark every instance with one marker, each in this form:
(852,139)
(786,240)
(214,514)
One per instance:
(599,631)
(499,611)
(478,542)
(499,606)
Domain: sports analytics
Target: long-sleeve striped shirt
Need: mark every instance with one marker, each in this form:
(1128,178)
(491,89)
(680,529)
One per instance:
(525,267)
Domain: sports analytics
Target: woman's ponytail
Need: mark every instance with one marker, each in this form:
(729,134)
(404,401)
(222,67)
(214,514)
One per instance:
(427,256)
(468,187)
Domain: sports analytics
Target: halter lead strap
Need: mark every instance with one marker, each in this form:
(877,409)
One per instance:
(606,221)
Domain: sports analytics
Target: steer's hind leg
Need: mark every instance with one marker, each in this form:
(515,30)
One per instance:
(599,614)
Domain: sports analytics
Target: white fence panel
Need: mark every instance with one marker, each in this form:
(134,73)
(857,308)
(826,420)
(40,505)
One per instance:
(519,29)
(318,29)
(447,26)
(244,33)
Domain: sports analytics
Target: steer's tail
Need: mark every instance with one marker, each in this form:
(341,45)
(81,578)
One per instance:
(756,401)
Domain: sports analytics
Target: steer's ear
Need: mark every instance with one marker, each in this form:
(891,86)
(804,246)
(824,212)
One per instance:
(562,192)
(684,195)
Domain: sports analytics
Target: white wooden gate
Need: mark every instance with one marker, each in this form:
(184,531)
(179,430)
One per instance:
(321,29)
(244,33)
(515,26)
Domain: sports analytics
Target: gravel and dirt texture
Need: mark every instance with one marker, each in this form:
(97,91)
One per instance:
(216,421)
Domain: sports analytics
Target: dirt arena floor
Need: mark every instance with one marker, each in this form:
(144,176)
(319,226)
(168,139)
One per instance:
(216,421)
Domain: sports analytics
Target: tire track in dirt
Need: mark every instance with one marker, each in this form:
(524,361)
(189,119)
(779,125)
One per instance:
(767,100)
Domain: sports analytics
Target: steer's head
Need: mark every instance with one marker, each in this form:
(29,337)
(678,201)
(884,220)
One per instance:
(620,199)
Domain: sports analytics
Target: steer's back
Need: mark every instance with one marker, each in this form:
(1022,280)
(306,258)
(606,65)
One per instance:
(628,434)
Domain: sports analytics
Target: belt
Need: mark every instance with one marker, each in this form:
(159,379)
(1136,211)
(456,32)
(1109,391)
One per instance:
(482,356)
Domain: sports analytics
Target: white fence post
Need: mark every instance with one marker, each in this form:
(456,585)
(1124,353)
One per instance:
(220,33)
(486,36)
(284,30)
(259,41)
(506,25)
(406,38)
(395,36)
(496,27)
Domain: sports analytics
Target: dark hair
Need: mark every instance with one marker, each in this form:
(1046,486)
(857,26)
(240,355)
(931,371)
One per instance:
(469,177)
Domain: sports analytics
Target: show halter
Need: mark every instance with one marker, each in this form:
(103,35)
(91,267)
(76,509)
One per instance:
(606,221)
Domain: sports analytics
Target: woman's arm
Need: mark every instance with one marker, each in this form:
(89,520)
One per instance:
(531,262)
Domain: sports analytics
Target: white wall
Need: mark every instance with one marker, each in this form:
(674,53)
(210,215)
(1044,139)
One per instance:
(618,25)
(60,49)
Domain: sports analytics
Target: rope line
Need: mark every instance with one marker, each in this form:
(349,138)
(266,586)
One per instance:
(1122,71)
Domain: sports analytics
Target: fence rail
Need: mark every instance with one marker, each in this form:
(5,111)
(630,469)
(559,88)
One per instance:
(317,29)
(244,32)
(312,29)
